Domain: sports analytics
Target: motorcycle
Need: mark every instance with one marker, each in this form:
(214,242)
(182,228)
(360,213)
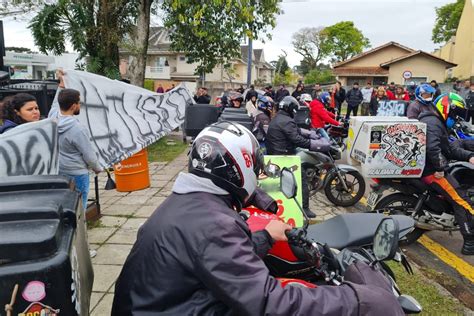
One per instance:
(303,261)
(412,197)
(461,130)
(339,133)
(343,184)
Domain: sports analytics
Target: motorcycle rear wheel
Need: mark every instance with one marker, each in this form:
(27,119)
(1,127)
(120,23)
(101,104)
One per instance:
(335,192)
(401,204)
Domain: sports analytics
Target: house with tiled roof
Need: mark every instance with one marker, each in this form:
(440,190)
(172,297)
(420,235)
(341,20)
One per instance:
(392,62)
(167,67)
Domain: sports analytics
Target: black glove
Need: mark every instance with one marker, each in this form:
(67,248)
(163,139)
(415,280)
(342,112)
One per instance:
(320,145)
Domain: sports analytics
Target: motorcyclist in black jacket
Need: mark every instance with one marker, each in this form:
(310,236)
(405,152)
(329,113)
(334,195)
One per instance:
(284,136)
(195,255)
(439,150)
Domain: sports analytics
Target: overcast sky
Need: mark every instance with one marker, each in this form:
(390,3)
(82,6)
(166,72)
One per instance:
(408,22)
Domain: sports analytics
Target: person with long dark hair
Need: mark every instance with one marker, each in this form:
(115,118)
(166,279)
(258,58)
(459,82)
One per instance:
(18,109)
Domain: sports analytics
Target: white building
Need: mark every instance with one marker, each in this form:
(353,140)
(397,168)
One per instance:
(38,66)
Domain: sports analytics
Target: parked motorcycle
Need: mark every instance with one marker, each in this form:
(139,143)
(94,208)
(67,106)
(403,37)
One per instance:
(412,197)
(321,255)
(343,184)
(461,130)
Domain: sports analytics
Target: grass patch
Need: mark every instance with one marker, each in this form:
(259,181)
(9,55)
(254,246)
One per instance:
(95,224)
(432,301)
(163,151)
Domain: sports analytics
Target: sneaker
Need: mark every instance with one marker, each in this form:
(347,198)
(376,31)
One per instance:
(309,213)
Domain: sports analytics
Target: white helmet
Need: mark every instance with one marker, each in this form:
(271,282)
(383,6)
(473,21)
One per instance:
(306,97)
(229,155)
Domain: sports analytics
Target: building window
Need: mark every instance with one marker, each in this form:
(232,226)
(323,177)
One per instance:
(182,58)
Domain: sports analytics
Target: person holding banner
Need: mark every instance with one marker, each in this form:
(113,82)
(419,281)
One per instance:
(381,95)
(76,153)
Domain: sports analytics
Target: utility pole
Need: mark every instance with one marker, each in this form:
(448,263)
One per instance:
(249,64)
(2,45)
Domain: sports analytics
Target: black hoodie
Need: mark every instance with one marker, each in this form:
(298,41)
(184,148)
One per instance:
(439,150)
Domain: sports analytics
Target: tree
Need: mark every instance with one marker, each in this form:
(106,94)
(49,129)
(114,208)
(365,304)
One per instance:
(281,65)
(320,76)
(139,43)
(310,43)
(94,28)
(289,77)
(447,21)
(17,7)
(344,41)
(210,32)
(19,50)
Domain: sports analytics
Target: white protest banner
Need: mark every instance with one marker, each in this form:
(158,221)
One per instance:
(30,149)
(123,119)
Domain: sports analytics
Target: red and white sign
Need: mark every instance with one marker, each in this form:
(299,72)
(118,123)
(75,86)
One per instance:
(407,74)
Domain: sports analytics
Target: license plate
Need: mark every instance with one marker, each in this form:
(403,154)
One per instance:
(373,199)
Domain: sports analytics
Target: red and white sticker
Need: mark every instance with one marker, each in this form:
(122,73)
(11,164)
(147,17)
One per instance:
(39,309)
(34,291)
(248,160)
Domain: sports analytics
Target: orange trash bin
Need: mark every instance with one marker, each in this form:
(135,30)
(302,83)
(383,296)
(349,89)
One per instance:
(132,174)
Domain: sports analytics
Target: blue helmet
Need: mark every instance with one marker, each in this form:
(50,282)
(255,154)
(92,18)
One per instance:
(325,98)
(424,88)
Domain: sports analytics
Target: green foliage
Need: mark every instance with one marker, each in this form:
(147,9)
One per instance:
(19,50)
(289,77)
(344,41)
(94,28)
(417,285)
(310,43)
(447,21)
(281,65)
(149,85)
(210,32)
(321,76)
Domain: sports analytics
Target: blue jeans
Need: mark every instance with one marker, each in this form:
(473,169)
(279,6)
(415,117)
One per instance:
(82,186)
(323,133)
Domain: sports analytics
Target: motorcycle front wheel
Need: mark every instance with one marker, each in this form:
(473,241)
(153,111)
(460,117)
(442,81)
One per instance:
(335,192)
(400,204)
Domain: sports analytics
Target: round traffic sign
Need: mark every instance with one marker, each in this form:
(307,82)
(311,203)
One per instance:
(407,74)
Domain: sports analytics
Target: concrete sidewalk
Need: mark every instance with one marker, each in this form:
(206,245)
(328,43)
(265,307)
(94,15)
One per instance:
(114,235)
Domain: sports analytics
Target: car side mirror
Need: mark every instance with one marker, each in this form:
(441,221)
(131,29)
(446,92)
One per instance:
(386,239)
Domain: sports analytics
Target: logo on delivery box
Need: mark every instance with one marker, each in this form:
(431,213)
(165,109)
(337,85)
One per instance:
(403,144)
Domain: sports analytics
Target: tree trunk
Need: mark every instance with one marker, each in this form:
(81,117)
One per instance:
(140,37)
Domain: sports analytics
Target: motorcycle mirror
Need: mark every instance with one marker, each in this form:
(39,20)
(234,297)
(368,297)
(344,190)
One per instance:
(289,188)
(386,239)
(288,183)
(409,304)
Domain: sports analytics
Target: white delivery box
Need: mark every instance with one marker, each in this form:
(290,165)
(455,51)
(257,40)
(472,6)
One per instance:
(388,147)
(355,125)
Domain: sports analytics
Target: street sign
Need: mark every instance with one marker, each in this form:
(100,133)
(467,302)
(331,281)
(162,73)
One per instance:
(407,74)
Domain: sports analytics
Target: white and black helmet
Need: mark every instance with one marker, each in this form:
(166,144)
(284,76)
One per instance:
(229,155)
